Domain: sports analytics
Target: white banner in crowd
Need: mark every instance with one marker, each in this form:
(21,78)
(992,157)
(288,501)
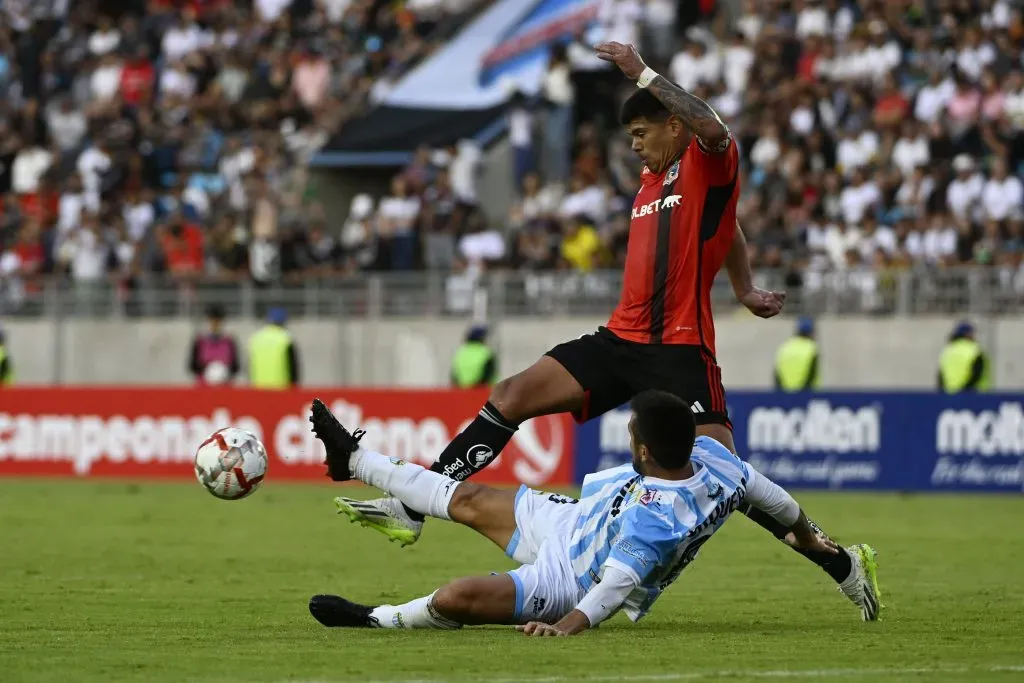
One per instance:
(502,40)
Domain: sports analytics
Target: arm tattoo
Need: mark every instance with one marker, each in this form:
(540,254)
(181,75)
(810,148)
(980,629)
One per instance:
(695,113)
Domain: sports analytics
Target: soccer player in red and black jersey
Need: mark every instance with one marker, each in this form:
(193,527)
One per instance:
(661,335)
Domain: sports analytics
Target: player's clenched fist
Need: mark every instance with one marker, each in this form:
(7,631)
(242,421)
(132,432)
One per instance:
(535,628)
(763,303)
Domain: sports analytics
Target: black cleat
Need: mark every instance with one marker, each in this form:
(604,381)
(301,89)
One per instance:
(337,440)
(336,612)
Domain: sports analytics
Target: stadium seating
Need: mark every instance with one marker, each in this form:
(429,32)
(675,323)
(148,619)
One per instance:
(882,148)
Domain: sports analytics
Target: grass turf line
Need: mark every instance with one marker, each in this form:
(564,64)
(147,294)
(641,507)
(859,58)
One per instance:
(107,581)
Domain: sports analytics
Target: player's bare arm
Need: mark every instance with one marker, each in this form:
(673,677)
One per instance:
(693,111)
(761,302)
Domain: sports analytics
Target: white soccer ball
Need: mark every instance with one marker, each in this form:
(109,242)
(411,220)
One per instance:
(231,464)
(216,373)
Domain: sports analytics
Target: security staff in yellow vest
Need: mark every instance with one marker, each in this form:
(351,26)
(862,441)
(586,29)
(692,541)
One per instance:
(796,362)
(474,364)
(6,366)
(963,365)
(273,358)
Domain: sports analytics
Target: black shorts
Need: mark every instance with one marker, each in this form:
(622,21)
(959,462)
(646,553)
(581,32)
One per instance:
(612,371)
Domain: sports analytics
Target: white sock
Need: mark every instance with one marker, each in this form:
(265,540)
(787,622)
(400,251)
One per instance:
(426,492)
(418,613)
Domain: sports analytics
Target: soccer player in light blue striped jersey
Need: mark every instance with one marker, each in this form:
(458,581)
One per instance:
(618,547)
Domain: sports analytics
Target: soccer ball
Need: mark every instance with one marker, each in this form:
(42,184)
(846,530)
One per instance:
(231,464)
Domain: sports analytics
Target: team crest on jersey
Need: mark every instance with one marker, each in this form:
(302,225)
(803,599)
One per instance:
(714,489)
(673,174)
(648,497)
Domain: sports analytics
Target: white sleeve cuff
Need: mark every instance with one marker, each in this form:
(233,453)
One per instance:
(605,598)
(766,495)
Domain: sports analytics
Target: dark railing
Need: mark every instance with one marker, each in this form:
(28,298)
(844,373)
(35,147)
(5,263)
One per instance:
(966,291)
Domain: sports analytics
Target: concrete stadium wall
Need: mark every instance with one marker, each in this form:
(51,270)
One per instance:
(856,352)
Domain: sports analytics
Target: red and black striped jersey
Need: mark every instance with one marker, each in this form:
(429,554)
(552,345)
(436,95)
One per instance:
(682,227)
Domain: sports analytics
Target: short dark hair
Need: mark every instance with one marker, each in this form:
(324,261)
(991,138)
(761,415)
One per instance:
(642,104)
(665,425)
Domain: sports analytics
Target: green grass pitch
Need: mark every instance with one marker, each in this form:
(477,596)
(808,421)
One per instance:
(108,581)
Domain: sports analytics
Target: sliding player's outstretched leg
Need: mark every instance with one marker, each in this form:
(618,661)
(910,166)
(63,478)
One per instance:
(468,601)
(544,388)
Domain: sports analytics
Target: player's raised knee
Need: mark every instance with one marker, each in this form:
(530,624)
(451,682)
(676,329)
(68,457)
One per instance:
(509,398)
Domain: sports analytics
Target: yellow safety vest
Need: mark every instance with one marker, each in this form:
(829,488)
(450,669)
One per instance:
(268,358)
(955,366)
(9,378)
(793,363)
(469,363)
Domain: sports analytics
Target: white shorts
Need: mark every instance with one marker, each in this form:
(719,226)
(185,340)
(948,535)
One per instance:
(546,587)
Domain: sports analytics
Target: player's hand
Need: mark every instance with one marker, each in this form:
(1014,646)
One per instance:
(815,543)
(535,628)
(762,302)
(623,56)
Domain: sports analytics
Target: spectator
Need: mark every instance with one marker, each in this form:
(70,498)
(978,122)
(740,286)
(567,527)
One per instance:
(310,79)
(106,79)
(859,198)
(964,193)
(558,91)
(6,364)
(438,224)
(182,248)
(480,245)
(137,78)
(273,356)
(876,240)
(183,38)
(93,165)
(269,11)
(475,364)
(797,361)
(581,245)
(933,98)
(396,221)
(67,124)
(86,255)
(28,168)
(105,39)
(911,150)
(520,136)
(214,357)
(695,66)
(964,365)
(1002,194)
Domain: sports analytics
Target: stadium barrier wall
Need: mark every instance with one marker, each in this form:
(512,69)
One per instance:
(856,352)
(152,433)
(866,441)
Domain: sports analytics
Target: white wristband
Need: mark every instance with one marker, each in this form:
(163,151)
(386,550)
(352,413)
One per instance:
(646,77)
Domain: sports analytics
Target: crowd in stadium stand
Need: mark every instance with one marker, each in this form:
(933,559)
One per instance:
(873,135)
(174,137)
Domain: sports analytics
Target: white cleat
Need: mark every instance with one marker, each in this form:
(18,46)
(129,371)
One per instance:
(386,515)
(862,585)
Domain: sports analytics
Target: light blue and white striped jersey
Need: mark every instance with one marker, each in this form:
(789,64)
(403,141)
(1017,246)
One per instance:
(652,528)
